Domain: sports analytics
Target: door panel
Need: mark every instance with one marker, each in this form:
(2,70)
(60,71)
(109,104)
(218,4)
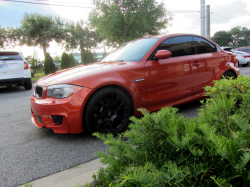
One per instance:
(173,78)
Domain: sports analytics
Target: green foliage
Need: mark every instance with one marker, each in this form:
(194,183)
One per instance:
(32,73)
(223,38)
(120,21)
(3,37)
(49,66)
(65,61)
(27,185)
(236,37)
(79,35)
(37,29)
(87,57)
(165,149)
(72,60)
(57,59)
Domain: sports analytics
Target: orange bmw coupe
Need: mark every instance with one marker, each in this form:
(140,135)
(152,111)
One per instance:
(151,72)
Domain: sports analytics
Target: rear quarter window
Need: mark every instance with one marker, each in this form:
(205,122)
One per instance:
(204,46)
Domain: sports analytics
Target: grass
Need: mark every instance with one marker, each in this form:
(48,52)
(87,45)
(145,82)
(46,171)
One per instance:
(74,166)
(37,76)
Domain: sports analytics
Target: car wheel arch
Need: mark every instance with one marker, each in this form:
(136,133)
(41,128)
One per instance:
(231,71)
(121,88)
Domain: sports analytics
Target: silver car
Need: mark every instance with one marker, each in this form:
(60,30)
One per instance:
(243,58)
(14,70)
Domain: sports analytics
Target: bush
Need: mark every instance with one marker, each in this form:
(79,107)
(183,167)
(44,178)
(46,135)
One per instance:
(65,61)
(49,66)
(72,60)
(32,73)
(165,149)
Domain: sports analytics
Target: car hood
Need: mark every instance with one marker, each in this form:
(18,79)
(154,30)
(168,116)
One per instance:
(76,74)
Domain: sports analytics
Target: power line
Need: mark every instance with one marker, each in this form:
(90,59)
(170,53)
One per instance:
(227,10)
(46,4)
(219,15)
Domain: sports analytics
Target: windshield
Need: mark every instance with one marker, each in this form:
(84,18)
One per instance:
(132,51)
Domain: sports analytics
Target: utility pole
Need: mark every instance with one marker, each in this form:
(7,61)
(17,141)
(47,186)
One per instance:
(203,18)
(208,21)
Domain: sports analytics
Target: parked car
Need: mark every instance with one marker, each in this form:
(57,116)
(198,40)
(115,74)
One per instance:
(243,58)
(151,72)
(14,70)
(243,49)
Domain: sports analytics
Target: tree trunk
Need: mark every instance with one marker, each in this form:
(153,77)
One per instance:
(82,52)
(44,50)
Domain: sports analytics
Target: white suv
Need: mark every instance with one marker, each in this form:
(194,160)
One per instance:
(14,70)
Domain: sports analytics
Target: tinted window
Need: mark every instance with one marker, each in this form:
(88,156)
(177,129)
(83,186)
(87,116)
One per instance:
(10,56)
(179,46)
(132,51)
(203,46)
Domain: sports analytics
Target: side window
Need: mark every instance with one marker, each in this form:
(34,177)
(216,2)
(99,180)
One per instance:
(179,46)
(204,46)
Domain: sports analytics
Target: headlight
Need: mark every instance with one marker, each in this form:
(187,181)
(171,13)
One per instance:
(62,90)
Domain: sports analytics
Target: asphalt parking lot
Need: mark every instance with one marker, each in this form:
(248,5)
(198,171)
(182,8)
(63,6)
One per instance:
(28,153)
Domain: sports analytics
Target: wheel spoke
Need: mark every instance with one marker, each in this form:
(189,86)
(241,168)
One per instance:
(120,105)
(113,102)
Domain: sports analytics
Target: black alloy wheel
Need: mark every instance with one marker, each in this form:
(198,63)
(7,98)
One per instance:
(107,111)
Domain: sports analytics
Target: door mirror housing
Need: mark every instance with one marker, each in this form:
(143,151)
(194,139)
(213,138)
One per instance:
(163,54)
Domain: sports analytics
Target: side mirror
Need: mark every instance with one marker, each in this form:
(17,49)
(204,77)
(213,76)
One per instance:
(163,54)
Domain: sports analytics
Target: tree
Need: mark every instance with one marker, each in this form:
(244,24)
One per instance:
(40,30)
(72,60)
(79,35)
(49,66)
(57,59)
(241,36)
(3,37)
(87,57)
(65,61)
(120,21)
(223,38)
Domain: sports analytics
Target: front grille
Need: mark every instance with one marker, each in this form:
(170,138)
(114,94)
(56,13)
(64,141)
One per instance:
(39,119)
(39,91)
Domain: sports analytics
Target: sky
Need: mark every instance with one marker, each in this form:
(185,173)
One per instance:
(225,14)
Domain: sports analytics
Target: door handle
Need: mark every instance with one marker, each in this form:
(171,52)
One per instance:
(196,63)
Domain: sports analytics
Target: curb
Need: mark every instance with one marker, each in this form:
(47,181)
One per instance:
(81,175)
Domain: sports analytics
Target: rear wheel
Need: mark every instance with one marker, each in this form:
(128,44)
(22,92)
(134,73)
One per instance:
(228,74)
(244,65)
(107,111)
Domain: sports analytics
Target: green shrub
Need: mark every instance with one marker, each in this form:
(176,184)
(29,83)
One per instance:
(32,73)
(165,149)
(72,60)
(49,66)
(65,61)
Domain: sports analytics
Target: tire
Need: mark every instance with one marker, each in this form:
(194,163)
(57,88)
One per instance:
(107,111)
(244,65)
(228,74)
(28,85)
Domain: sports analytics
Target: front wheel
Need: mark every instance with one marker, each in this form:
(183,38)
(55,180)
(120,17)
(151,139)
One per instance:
(107,111)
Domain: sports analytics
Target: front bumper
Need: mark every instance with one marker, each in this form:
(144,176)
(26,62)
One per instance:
(70,110)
